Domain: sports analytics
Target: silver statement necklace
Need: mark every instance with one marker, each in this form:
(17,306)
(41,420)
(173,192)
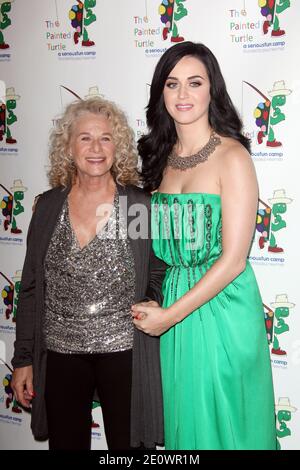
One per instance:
(184,163)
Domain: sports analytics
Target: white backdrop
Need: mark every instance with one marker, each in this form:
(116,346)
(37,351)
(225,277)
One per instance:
(259,57)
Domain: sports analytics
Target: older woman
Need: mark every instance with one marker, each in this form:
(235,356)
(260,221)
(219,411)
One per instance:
(85,266)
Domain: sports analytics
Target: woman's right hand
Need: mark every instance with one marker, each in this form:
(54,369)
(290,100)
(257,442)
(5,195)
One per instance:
(22,385)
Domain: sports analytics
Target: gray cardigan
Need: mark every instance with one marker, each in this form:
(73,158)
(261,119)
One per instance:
(146,401)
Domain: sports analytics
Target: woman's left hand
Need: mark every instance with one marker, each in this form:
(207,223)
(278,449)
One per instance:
(150,318)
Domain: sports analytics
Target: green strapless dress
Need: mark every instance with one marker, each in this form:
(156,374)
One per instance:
(216,371)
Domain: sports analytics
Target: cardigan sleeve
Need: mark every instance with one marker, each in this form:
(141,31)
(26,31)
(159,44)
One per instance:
(25,315)
(156,277)
(157,271)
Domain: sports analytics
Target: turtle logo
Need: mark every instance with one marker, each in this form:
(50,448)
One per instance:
(10,294)
(81,16)
(268,113)
(269,220)
(11,205)
(172,11)
(7,115)
(284,411)
(275,321)
(5,21)
(271,10)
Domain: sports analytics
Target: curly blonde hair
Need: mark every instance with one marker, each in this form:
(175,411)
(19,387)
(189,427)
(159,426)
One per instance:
(62,170)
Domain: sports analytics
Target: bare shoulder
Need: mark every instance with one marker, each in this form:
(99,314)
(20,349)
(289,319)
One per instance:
(236,168)
(232,152)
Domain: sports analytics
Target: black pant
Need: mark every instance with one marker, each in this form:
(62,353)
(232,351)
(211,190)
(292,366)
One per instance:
(70,383)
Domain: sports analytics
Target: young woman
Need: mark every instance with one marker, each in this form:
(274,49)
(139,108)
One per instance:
(217,381)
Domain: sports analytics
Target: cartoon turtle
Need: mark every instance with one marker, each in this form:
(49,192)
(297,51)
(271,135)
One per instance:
(282,309)
(11,205)
(269,220)
(170,12)
(284,411)
(270,9)
(269,114)
(81,16)
(18,191)
(7,115)
(5,21)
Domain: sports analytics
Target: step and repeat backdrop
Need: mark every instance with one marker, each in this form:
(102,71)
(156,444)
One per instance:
(54,50)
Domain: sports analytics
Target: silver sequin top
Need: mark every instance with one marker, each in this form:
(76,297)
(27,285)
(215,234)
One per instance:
(89,291)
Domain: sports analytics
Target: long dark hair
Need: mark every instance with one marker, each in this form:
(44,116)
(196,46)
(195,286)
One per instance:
(155,146)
